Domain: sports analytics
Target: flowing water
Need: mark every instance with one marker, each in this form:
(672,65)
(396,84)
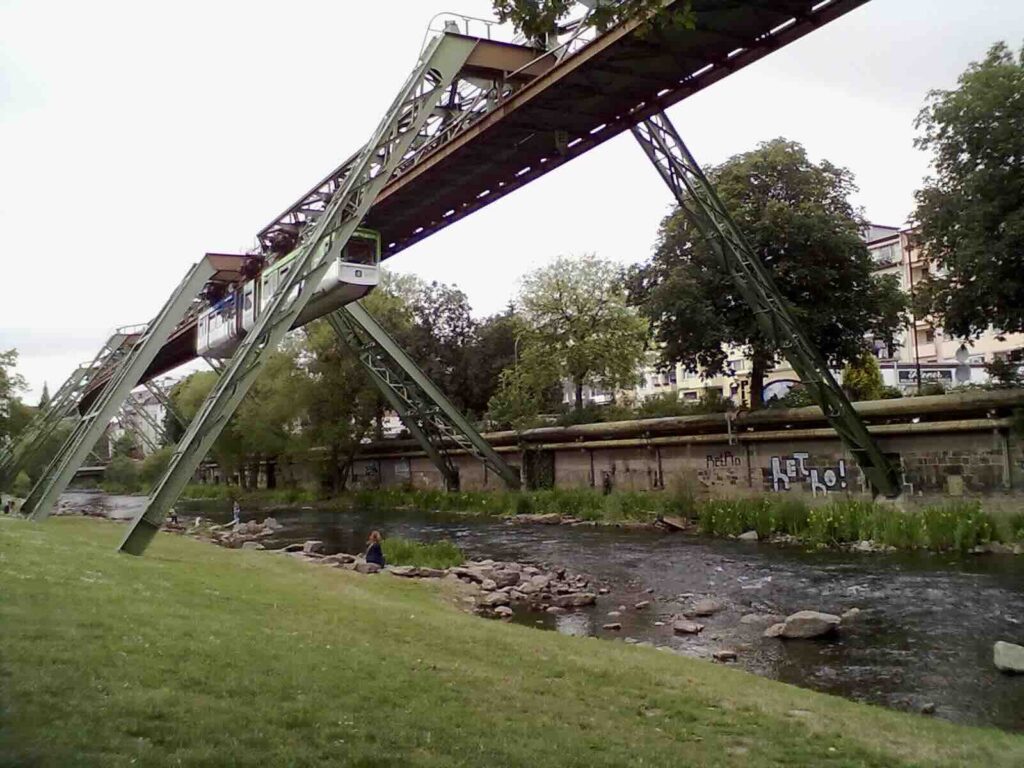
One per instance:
(924,635)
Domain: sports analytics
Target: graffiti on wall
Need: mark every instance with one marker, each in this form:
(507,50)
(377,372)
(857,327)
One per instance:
(724,459)
(787,470)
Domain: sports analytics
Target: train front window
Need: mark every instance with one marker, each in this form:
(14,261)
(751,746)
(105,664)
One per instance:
(361,250)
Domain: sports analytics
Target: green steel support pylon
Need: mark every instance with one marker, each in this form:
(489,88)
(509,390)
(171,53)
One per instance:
(429,416)
(320,244)
(61,406)
(126,375)
(699,201)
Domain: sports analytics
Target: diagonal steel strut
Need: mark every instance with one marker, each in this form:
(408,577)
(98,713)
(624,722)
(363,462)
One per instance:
(126,375)
(321,243)
(430,417)
(700,203)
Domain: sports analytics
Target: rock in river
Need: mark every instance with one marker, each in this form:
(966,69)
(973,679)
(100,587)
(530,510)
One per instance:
(575,600)
(804,624)
(1009,657)
(705,607)
(684,627)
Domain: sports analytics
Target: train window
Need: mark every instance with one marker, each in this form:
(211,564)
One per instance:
(360,251)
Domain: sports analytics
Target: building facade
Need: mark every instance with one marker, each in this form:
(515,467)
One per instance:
(923,354)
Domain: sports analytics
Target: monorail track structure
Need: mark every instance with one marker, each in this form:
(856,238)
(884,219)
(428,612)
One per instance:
(476,120)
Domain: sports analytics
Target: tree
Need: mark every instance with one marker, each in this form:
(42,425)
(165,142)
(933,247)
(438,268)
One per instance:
(342,403)
(576,314)
(11,383)
(441,340)
(494,349)
(799,221)
(971,213)
(862,378)
(268,418)
(537,19)
(525,389)
(44,398)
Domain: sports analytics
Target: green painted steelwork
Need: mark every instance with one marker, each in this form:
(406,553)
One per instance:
(431,418)
(321,244)
(700,203)
(130,368)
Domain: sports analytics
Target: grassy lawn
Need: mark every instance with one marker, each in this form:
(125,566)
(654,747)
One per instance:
(196,655)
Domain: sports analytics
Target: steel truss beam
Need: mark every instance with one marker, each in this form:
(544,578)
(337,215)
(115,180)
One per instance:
(699,201)
(126,375)
(163,397)
(429,416)
(320,243)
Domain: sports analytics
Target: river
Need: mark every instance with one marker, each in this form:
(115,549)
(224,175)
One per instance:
(924,635)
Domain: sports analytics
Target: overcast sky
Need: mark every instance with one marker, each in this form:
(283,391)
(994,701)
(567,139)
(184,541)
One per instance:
(136,136)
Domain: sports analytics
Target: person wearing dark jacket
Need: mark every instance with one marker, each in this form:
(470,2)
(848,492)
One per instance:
(374,553)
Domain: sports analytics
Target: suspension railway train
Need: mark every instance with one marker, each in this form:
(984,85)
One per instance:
(232,311)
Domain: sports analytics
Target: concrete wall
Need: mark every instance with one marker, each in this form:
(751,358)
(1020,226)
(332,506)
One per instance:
(952,446)
(944,454)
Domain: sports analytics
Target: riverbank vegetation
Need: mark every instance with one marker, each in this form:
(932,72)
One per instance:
(952,526)
(434,554)
(200,655)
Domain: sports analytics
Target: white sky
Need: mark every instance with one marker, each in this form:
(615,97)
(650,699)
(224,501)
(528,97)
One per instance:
(134,137)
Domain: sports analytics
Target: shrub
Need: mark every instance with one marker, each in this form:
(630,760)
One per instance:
(121,473)
(22,485)
(438,554)
(153,466)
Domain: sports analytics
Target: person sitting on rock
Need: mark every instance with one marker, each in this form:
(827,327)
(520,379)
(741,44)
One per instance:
(374,553)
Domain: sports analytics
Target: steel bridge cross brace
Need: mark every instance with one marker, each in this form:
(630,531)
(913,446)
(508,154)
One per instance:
(700,203)
(431,418)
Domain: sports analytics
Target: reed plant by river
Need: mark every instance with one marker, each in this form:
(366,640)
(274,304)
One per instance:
(952,526)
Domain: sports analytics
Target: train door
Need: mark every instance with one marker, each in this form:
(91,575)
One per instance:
(249,305)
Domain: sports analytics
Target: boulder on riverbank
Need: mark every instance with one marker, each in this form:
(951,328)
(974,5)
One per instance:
(705,607)
(805,624)
(1008,657)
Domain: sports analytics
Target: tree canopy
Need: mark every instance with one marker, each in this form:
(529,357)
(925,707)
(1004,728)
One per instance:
(576,317)
(537,19)
(798,219)
(970,215)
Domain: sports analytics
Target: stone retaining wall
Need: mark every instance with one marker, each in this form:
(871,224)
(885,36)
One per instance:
(968,448)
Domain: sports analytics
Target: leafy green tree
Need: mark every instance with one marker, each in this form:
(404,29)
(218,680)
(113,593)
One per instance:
(153,466)
(526,388)
(188,396)
(267,422)
(576,314)
(44,398)
(494,348)
(799,221)
(441,340)
(536,19)
(11,383)
(343,406)
(971,213)
(862,378)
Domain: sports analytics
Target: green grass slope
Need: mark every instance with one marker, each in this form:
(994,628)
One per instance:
(195,655)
